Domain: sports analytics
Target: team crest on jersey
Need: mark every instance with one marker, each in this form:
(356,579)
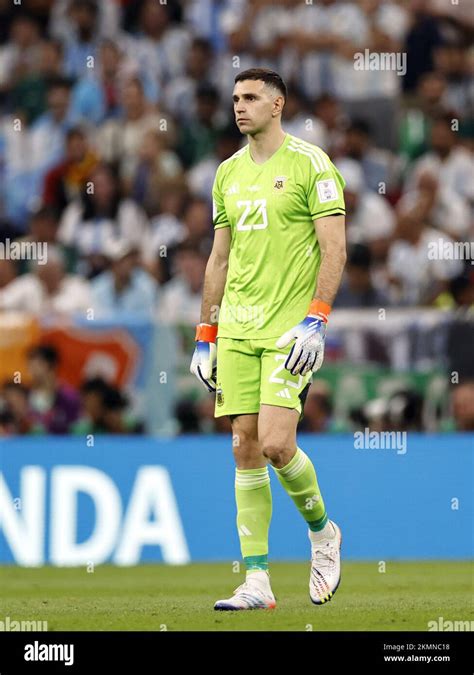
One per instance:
(279,183)
(220,396)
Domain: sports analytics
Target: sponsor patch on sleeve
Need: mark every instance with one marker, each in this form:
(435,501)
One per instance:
(327,190)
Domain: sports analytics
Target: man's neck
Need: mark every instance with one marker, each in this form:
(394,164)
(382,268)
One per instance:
(265,144)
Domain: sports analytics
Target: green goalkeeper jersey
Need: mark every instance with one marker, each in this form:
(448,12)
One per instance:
(274,253)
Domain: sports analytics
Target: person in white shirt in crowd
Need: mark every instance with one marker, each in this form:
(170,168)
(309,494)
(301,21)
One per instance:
(125,288)
(181,297)
(87,225)
(328,110)
(327,35)
(119,140)
(298,120)
(446,210)
(179,95)
(370,218)
(47,291)
(418,267)
(160,47)
(201,176)
(380,167)
(448,161)
(157,167)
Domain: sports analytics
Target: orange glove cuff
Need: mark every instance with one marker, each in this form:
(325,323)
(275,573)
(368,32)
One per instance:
(320,308)
(206,332)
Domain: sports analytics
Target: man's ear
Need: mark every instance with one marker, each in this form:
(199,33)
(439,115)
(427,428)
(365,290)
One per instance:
(278,105)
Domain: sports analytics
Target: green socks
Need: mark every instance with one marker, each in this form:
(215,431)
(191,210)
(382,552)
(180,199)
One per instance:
(254,505)
(254,512)
(298,478)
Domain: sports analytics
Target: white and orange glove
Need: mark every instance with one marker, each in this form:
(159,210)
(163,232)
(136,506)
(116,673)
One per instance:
(204,362)
(307,353)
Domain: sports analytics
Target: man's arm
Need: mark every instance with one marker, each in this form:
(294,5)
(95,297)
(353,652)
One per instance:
(215,276)
(331,233)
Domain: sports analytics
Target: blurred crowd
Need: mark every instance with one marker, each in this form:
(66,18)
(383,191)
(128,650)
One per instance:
(46,405)
(114,116)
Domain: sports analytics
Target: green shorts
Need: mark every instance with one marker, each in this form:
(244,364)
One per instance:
(251,373)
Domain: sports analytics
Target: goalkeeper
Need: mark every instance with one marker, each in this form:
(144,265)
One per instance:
(272,276)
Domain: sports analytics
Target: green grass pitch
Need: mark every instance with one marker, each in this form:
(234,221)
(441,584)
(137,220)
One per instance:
(159,597)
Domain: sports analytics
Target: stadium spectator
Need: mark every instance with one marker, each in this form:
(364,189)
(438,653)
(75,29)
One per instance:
(66,181)
(419,113)
(104,410)
(378,166)
(447,160)
(329,112)
(101,215)
(181,297)
(444,209)
(201,176)
(297,119)
(47,290)
(20,55)
(418,271)
(179,96)
(81,42)
(357,289)
(120,139)
(55,405)
(157,167)
(421,42)
(8,272)
(197,138)
(16,417)
(462,399)
(43,230)
(125,288)
(28,96)
(318,411)
(370,218)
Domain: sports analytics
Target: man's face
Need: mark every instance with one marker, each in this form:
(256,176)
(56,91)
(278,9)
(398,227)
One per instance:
(254,104)
(58,102)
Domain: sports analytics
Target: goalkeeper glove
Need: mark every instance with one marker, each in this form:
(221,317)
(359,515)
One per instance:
(307,353)
(204,362)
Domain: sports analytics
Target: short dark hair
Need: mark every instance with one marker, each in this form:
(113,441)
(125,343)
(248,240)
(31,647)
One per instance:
(266,75)
(46,353)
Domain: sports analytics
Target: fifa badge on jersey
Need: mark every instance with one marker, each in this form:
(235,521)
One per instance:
(327,190)
(279,183)
(220,396)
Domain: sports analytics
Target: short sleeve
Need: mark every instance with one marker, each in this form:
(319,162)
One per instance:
(325,186)
(219,215)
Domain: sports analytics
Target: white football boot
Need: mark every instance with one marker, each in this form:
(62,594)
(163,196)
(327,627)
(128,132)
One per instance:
(254,593)
(325,564)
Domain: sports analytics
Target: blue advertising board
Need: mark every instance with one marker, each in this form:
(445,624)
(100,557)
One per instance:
(128,500)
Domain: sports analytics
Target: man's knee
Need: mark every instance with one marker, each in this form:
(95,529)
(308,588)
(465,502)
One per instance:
(245,445)
(278,453)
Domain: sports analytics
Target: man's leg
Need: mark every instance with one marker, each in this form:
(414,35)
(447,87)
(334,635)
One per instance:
(238,396)
(252,492)
(294,469)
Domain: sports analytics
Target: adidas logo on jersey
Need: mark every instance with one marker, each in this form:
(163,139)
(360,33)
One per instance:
(284,393)
(233,190)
